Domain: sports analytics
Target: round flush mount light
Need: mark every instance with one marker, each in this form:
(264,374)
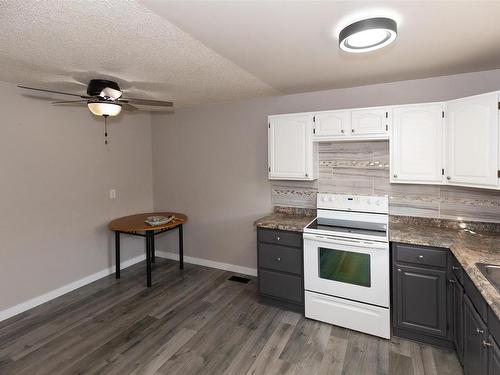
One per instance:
(368,34)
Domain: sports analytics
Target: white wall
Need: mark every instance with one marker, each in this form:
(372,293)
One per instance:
(55,176)
(210,162)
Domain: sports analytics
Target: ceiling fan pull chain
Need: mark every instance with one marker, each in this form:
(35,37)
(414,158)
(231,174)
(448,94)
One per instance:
(105,130)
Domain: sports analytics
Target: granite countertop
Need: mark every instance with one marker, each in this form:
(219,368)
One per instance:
(470,244)
(291,222)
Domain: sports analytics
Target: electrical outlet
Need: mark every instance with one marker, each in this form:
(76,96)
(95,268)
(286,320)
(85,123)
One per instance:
(112,193)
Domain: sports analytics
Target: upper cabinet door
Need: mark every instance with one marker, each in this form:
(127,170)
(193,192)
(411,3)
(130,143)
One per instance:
(417,143)
(370,121)
(332,124)
(472,141)
(290,147)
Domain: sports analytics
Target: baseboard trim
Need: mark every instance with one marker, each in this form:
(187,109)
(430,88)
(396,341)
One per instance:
(36,301)
(209,263)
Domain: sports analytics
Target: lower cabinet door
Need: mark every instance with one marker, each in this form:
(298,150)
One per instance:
(475,332)
(420,299)
(457,297)
(281,286)
(493,358)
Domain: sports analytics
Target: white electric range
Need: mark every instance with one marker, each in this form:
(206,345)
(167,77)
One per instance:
(346,263)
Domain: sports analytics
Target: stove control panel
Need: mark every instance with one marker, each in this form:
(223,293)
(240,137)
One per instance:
(358,203)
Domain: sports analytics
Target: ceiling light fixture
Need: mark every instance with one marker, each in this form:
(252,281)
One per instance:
(104,109)
(368,34)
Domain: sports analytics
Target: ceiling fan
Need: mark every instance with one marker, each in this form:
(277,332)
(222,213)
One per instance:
(104,98)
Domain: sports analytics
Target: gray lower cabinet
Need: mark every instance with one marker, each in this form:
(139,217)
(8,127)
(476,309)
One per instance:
(457,316)
(435,301)
(493,357)
(475,333)
(280,268)
(419,294)
(421,300)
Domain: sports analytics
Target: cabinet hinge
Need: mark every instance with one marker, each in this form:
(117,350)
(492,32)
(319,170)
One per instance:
(499,105)
(387,115)
(314,118)
(498,174)
(314,131)
(442,171)
(269,169)
(442,114)
(269,125)
(386,127)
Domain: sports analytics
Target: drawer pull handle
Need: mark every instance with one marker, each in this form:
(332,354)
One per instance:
(278,238)
(399,269)
(278,259)
(452,281)
(455,268)
(479,331)
(420,257)
(486,344)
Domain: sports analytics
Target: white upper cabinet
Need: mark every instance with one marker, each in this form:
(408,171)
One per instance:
(472,139)
(332,124)
(462,148)
(370,122)
(348,125)
(416,146)
(291,155)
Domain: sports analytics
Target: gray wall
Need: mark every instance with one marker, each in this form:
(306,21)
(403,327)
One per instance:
(55,176)
(211,161)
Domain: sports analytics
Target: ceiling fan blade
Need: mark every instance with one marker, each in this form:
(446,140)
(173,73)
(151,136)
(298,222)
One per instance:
(53,91)
(111,93)
(128,107)
(70,101)
(159,103)
(70,104)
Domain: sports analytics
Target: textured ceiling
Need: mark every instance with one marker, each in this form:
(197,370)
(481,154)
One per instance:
(196,52)
(292,45)
(63,44)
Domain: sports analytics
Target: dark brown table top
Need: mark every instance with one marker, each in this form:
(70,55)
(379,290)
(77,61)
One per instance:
(136,223)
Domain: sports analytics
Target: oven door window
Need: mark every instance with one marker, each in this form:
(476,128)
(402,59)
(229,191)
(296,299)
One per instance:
(344,266)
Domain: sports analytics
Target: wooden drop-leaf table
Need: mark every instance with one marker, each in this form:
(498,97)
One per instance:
(135,225)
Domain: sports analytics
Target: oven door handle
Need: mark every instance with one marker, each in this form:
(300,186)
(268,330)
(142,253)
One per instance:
(346,241)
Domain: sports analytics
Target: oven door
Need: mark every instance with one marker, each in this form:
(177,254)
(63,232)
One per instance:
(354,269)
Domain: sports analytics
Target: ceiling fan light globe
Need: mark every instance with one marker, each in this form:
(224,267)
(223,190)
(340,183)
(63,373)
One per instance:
(104,109)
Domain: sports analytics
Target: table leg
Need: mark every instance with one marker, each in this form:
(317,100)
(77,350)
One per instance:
(148,258)
(181,249)
(117,254)
(153,255)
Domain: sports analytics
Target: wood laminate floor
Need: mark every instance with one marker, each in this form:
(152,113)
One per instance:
(194,321)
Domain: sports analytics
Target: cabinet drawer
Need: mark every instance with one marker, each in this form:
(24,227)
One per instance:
(279,285)
(280,258)
(421,255)
(280,237)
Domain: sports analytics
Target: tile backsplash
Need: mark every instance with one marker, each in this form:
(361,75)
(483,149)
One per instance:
(363,168)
